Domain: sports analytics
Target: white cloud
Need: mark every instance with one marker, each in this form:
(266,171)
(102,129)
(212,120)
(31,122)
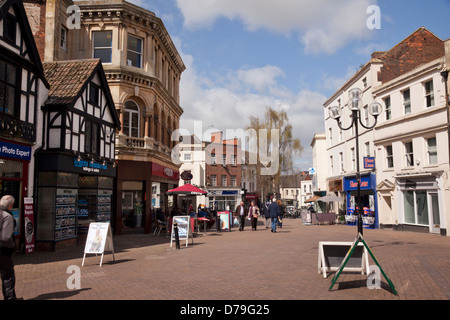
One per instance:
(217,104)
(321,25)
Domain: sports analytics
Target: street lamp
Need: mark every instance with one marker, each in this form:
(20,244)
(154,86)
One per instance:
(354,104)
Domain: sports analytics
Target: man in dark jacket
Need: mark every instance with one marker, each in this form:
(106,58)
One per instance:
(274,212)
(7,246)
(241,214)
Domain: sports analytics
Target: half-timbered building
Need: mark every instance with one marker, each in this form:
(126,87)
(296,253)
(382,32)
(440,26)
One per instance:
(76,164)
(23,88)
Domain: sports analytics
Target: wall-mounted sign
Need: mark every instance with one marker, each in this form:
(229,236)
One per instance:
(89,166)
(369,162)
(15,151)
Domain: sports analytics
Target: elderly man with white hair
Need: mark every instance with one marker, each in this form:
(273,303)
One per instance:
(7,247)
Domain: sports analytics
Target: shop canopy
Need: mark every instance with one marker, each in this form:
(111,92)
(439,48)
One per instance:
(330,199)
(312,199)
(187,189)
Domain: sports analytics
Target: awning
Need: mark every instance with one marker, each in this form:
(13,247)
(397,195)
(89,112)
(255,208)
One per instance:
(187,189)
(312,199)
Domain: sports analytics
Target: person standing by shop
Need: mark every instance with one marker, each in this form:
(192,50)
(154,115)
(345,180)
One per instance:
(253,214)
(274,212)
(241,211)
(7,246)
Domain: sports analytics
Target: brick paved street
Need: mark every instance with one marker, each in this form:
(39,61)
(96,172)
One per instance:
(239,266)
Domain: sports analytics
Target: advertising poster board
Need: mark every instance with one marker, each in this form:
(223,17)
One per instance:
(29,225)
(225,220)
(184,230)
(332,254)
(99,240)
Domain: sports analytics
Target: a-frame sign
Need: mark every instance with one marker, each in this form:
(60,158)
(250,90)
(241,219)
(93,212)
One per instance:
(359,239)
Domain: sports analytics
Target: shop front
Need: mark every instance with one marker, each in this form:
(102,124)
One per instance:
(368,199)
(224,199)
(72,193)
(141,187)
(421,203)
(14,164)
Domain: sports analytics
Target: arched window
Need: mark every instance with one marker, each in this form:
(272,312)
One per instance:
(131,119)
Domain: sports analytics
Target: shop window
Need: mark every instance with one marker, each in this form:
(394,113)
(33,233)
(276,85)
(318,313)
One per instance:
(416,207)
(102,45)
(8,89)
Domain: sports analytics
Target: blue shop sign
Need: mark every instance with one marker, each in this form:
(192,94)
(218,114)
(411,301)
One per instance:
(15,151)
(367,183)
(369,162)
(89,166)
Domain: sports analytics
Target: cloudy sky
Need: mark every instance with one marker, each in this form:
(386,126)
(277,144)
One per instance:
(244,55)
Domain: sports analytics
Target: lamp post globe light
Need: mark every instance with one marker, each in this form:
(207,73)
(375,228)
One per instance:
(354,104)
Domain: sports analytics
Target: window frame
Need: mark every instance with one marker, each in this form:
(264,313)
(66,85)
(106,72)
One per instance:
(94,48)
(139,54)
(409,154)
(406,102)
(130,113)
(429,95)
(9,84)
(433,150)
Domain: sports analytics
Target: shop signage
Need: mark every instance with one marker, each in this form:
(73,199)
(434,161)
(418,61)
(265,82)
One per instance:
(352,184)
(369,162)
(186,175)
(15,151)
(29,225)
(184,231)
(161,171)
(89,166)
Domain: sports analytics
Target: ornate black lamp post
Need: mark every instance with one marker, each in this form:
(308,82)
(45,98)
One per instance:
(355,96)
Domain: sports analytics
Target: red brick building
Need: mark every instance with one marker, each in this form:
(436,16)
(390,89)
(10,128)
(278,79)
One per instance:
(223,172)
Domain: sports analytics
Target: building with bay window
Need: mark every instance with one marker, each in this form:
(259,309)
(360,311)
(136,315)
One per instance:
(143,69)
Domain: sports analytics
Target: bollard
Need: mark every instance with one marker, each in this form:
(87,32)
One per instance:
(177,238)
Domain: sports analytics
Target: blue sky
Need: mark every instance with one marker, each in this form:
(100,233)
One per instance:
(244,55)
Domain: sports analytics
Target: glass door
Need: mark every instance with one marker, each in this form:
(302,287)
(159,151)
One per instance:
(435,224)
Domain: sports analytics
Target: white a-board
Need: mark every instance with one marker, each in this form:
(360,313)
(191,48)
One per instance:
(99,240)
(332,253)
(184,229)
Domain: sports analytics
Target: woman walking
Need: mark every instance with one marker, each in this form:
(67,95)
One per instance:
(253,214)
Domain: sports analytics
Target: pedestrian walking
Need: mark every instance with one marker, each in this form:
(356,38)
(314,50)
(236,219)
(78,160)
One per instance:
(280,217)
(7,247)
(266,214)
(274,212)
(253,214)
(241,211)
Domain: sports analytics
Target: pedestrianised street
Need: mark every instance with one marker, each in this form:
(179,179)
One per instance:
(235,266)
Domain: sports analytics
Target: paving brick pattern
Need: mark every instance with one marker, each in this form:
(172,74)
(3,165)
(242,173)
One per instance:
(248,265)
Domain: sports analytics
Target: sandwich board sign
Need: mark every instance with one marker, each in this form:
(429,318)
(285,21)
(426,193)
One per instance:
(99,240)
(332,253)
(184,230)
